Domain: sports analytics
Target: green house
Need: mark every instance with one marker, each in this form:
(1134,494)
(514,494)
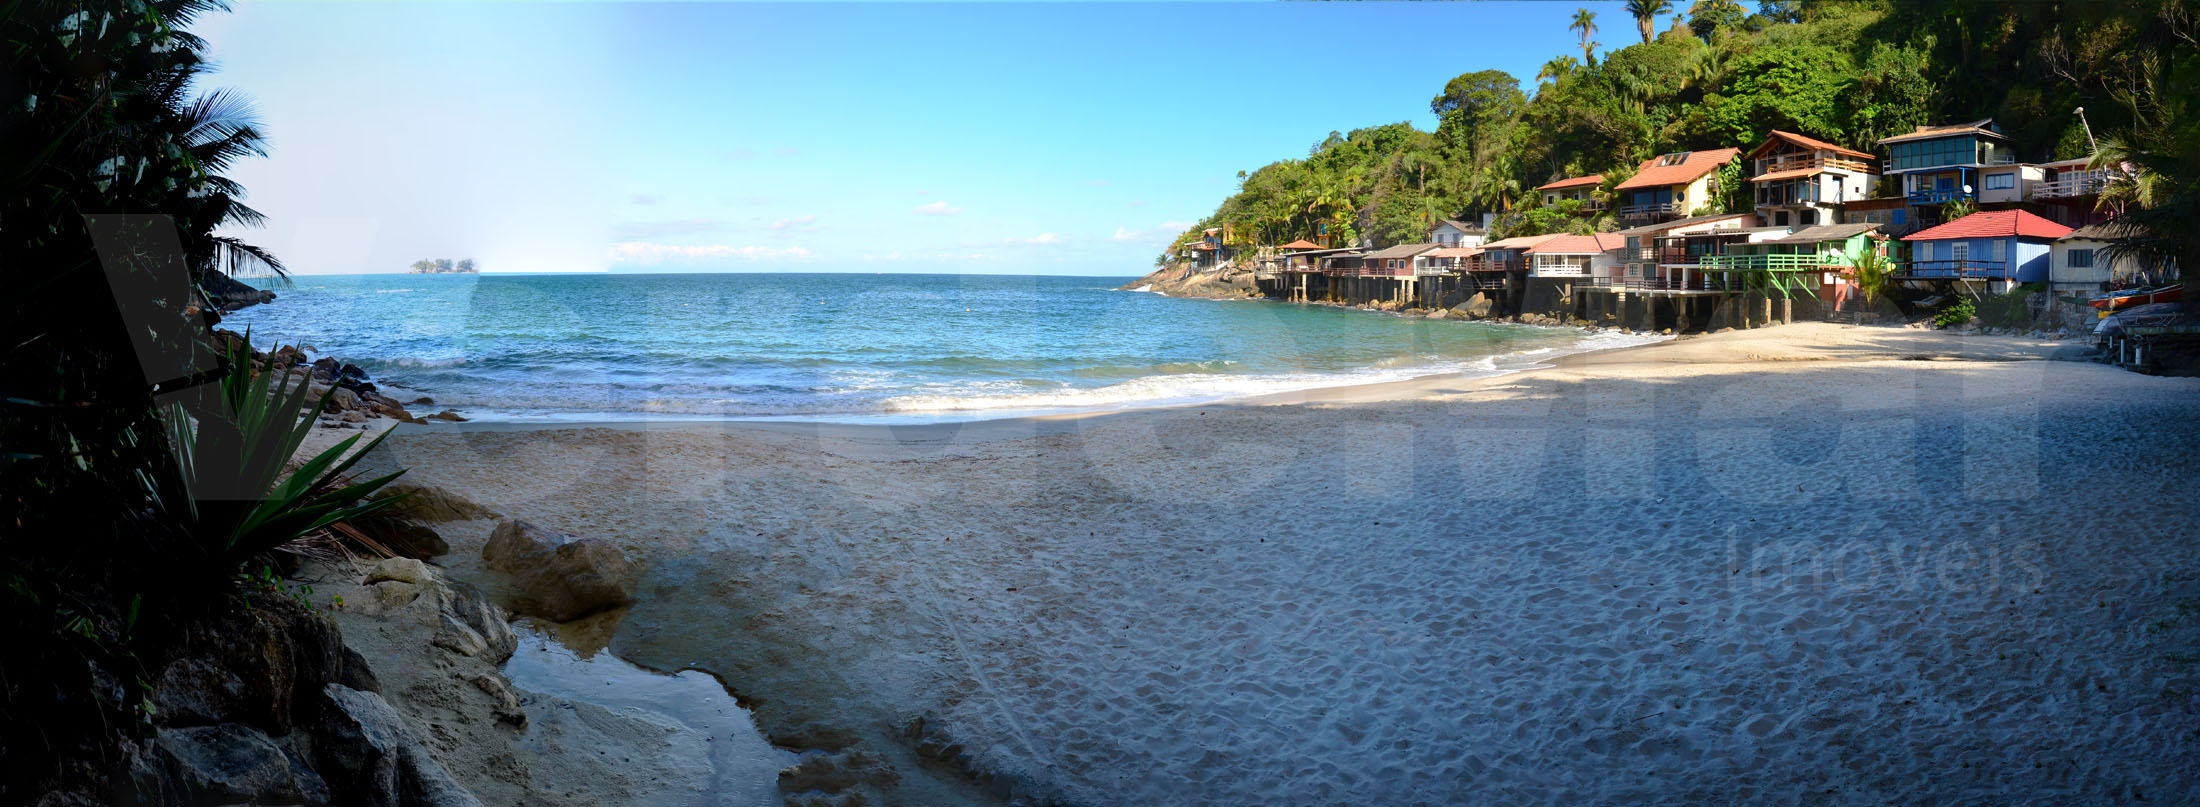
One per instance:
(1809,261)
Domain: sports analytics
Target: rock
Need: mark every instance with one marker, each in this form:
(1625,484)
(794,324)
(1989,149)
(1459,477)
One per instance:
(342,400)
(447,415)
(227,764)
(252,665)
(1477,306)
(508,709)
(428,503)
(403,570)
(325,369)
(421,401)
(353,416)
(367,751)
(557,576)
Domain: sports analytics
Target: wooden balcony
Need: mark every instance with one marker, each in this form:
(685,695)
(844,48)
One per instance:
(1934,196)
(2085,183)
(1958,269)
(1810,262)
(1489,264)
(1693,283)
(1799,162)
(1651,212)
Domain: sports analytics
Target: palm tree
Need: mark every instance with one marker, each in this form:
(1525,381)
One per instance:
(1646,15)
(1585,24)
(1556,68)
(2152,201)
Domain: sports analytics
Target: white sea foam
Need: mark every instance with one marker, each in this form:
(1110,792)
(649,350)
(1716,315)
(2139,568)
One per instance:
(1195,388)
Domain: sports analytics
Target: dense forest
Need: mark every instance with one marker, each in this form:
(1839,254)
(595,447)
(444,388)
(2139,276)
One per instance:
(1848,72)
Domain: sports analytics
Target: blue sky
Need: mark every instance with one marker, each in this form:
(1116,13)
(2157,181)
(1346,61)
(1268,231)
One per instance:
(1051,138)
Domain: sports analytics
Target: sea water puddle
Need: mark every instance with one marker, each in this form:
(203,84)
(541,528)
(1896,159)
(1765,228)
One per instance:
(744,764)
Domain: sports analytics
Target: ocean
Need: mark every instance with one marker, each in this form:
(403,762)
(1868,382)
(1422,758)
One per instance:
(845,347)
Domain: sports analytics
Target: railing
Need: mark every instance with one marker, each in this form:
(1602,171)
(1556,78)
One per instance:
(1797,162)
(1696,283)
(1962,268)
(1652,210)
(1810,262)
(1489,264)
(2081,184)
(1936,196)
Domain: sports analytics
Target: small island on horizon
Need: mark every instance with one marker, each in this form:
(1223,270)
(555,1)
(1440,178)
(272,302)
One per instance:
(443,266)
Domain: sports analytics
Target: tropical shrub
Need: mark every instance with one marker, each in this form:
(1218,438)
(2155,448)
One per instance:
(1957,313)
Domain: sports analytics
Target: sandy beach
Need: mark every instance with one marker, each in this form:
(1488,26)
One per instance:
(1804,564)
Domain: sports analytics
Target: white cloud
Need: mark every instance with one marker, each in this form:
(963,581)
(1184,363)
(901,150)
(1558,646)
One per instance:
(939,208)
(646,199)
(737,154)
(1042,238)
(1164,230)
(794,223)
(1138,203)
(646,252)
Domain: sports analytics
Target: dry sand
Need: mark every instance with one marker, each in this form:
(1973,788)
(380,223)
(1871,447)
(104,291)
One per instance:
(1807,564)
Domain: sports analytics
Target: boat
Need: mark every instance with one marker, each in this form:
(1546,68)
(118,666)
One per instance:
(2118,300)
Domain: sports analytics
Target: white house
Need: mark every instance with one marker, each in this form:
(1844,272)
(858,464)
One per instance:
(1449,233)
(1576,256)
(2078,262)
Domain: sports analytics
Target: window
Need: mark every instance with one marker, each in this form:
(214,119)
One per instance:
(1960,251)
(2001,182)
(2079,258)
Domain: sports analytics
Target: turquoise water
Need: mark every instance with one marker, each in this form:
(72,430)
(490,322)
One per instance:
(853,347)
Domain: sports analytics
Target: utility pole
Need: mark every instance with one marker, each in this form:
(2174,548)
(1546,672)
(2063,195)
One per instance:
(2088,129)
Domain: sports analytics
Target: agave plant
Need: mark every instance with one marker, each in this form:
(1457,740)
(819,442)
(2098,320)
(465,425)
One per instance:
(229,488)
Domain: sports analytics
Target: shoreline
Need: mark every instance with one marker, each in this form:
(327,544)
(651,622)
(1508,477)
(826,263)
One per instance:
(1675,349)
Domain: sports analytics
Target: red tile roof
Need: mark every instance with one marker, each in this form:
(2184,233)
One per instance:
(1571,182)
(1301,244)
(1805,141)
(1579,244)
(1455,252)
(1697,164)
(1992,224)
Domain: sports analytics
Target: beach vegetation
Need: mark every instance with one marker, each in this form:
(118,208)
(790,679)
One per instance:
(133,487)
(1956,314)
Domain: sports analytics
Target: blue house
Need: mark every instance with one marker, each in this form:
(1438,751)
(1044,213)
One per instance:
(2001,248)
(1938,164)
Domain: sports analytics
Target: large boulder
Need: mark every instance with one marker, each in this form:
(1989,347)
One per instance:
(430,504)
(258,666)
(224,763)
(1478,306)
(556,576)
(372,758)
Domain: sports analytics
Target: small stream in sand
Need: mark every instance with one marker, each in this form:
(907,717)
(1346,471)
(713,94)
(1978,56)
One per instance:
(744,766)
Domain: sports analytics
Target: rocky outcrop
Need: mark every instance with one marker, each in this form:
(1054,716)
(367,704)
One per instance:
(369,751)
(244,713)
(351,398)
(442,644)
(1227,281)
(229,294)
(556,576)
